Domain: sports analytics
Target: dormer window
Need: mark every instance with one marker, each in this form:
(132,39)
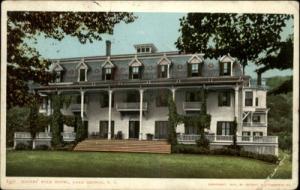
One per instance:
(108,69)
(82,71)
(58,76)
(135,69)
(163,67)
(57,71)
(226,64)
(195,66)
(145,48)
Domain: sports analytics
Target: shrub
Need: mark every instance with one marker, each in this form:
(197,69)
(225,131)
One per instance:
(22,146)
(42,147)
(203,142)
(189,149)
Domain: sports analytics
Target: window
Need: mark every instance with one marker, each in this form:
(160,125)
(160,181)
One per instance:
(194,70)
(224,99)
(133,96)
(256,101)
(82,76)
(138,50)
(162,98)
(161,129)
(108,74)
(257,134)
(248,98)
(193,96)
(224,128)
(58,76)
(162,71)
(225,69)
(191,129)
(256,118)
(246,133)
(134,72)
(147,50)
(104,100)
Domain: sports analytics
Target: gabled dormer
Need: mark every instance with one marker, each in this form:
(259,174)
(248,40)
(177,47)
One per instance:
(82,69)
(195,64)
(57,70)
(108,69)
(135,68)
(226,65)
(163,67)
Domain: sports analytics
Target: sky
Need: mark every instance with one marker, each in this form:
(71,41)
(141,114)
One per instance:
(161,29)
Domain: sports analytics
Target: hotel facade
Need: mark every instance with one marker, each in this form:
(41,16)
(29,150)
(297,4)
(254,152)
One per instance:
(128,95)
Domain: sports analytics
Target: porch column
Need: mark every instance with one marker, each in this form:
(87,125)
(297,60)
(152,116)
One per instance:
(173,93)
(109,113)
(236,103)
(82,104)
(49,112)
(141,113)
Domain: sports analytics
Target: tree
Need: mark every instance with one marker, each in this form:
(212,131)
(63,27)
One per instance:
(25,64)
(56,121)
(249,37)
(174,120)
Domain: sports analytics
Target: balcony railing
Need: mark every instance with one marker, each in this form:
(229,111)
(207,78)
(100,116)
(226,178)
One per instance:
(77,107)
(191,138)
(130,106)
(192,106)
(68,136)
(254,124)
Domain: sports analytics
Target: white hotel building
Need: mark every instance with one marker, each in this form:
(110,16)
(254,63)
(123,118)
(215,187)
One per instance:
(128,94)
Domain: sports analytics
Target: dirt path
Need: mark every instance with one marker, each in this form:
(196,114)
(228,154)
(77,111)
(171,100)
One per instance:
(275,170)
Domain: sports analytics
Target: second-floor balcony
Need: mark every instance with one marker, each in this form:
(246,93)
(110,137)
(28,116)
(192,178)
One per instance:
(77,107)
(192,106)
(254,124)
(131,106)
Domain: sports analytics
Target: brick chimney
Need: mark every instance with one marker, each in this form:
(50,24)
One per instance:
(108,47)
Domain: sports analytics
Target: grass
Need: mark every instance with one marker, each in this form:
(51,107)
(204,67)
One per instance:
(285,168)
(102,164)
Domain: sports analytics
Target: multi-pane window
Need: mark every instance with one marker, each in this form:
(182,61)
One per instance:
(195,68)
(135,73)
(108,74)
(224,99)
(193,96)
(191,129)
(224,128)
(161,129)
(248,98)
(256,118)
(58,76)
(82,73)
(163,71)
(225,69)
(257,134)
(246,133)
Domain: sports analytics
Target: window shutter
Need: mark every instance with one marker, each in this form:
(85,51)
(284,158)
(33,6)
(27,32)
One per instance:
(158,71)
(219,128)
(221,69)
(141,68)
(228,99)
(103,73)
(113,71)
(130,73)
(189,68)
(199,69)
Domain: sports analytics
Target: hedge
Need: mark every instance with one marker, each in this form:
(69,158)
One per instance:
(192,149)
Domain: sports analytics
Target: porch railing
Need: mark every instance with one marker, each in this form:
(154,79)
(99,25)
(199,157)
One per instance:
(229,138)
(130,106)
(192,106)
(68,136)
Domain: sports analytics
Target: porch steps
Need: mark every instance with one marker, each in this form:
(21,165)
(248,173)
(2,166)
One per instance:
(143,146)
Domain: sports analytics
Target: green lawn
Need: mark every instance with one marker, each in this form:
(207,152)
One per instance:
(100,164)
(285,168)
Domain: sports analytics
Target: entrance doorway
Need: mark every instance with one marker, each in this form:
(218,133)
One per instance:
(134,129)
